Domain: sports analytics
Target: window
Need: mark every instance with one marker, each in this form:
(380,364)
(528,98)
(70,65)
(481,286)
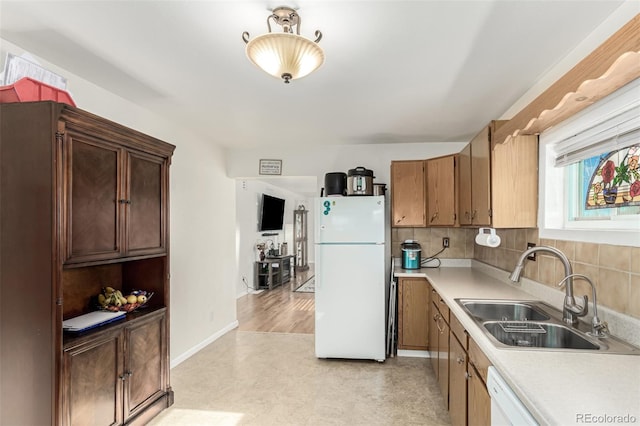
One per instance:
(589,173)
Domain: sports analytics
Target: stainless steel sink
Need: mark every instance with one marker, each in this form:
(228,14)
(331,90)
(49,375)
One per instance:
(534,325)
(530,334)
(505,311)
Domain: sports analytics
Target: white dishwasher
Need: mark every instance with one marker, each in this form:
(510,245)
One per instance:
(506,408)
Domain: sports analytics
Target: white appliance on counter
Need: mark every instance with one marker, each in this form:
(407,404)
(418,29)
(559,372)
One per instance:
(350,277)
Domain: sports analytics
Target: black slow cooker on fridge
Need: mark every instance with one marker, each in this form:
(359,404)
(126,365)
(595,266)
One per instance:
(411,254)
(335,183)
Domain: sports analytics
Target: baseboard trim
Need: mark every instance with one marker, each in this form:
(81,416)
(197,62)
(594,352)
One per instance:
(413,354)
(197,348)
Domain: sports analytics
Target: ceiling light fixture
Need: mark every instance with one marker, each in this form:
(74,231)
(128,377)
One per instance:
(285,55)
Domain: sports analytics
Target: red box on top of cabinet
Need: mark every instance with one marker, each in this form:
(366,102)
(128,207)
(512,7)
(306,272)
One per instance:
(29,90)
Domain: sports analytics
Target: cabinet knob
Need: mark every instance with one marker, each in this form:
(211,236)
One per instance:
(459,360)
(467,375)
(122,377)
(435,215)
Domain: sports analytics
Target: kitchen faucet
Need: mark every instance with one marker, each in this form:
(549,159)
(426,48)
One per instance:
(598,328)
(570,309)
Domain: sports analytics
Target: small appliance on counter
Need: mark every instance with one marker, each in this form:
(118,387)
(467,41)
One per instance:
(335,184)
(411,254)
(360,181)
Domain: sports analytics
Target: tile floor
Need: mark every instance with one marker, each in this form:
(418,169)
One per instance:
(256,378)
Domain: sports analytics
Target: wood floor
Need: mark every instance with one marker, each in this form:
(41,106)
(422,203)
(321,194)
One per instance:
(281,310)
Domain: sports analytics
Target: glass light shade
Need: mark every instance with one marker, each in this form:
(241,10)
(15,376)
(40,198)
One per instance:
(284,53)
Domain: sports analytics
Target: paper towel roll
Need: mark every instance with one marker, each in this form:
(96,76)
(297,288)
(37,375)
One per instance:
(487,237)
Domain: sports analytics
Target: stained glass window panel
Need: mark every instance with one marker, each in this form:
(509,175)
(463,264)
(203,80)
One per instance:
(614,179)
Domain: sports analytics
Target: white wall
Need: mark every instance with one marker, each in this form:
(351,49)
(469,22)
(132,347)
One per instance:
(202,209)
(248,196)
(316,161)
(606,29)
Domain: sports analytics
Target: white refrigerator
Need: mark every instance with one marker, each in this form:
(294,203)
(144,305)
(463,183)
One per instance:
(350,277)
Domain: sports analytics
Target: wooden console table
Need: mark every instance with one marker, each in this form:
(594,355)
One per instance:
(272,272)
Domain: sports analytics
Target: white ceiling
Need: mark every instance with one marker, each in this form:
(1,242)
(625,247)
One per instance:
(395,71)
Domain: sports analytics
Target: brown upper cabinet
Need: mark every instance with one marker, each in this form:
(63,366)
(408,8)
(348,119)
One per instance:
(408,205)
(424,192)
(113,183)
(499,181)
(442,191)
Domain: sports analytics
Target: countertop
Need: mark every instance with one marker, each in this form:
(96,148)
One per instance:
(558,388)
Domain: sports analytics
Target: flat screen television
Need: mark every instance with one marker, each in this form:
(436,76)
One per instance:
(271,213)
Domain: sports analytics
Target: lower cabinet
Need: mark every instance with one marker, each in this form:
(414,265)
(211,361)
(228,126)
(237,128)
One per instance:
(425,322)
(457,383)
(439,342)
(469,400)
(479,400)
(93,390)
(413,321)
(118,376)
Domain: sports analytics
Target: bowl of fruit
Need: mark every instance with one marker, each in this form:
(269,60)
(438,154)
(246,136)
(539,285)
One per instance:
(113,300)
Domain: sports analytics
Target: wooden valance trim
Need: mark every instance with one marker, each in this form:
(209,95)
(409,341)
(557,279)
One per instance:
(610,66)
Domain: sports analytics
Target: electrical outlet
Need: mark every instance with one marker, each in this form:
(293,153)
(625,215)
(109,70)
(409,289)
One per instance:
(445,242)
(532,256)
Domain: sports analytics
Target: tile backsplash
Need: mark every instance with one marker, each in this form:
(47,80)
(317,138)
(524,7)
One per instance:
(615,270)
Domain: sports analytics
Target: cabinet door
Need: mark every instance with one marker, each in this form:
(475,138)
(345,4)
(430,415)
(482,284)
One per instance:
(413,321)
(92,382)
(514,176)
(441,191)
(479,404)
(481,179)
(464,166)
(443,359)
(146,219)
(93,199)
(408,194)
(434,316)
(457,383)
(145,364)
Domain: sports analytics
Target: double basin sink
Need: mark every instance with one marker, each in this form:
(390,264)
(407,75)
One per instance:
(536,325)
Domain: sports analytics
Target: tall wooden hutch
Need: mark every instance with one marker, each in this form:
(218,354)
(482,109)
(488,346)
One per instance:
(84,204)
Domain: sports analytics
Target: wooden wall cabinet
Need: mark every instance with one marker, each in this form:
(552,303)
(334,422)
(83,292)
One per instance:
(120,188)
(85,204)
(499,182)
(465,207)
(442,194)
(408,203)
(514,183)
(413,321)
